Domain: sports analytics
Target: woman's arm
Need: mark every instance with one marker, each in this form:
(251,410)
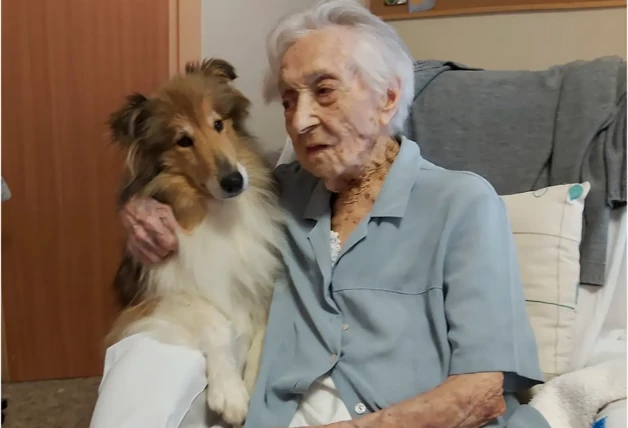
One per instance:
(462,401)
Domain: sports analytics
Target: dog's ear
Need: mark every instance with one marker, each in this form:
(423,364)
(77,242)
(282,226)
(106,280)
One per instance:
(238,108)
(128,123)
(213,67)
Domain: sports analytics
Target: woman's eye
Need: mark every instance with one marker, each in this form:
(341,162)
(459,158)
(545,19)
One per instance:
(185,141)
(286,105)
(323,91)
(219,125)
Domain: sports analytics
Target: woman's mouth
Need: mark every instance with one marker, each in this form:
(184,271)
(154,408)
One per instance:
(315,148)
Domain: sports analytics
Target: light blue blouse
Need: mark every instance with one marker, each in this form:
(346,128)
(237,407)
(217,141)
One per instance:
(425,287)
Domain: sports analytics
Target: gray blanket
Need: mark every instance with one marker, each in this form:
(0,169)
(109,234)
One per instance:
(524,130)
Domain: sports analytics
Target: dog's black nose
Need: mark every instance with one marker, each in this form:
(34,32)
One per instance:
(232,183)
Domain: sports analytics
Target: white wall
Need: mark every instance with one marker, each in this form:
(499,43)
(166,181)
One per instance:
(236,31)
(518,40)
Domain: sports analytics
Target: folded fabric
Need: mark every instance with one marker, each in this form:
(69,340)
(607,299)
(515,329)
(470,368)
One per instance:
(612,416)
(573,400)
(526,130)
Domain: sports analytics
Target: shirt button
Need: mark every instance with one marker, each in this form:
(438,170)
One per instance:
(333,358)
(345,327)
(360,408)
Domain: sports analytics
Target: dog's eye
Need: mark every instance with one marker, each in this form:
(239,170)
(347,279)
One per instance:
(218,125)
(185,141)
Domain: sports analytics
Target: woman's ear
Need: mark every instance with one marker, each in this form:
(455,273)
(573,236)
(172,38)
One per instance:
(390,102)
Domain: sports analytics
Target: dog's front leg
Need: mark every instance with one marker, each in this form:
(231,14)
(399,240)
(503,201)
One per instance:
(253,359)
(226,391)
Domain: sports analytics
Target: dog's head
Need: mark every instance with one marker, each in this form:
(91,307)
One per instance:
(190,130)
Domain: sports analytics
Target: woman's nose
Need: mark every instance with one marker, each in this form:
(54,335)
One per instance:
(305,117)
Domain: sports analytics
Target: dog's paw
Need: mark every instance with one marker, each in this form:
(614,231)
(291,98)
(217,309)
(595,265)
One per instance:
(230,399)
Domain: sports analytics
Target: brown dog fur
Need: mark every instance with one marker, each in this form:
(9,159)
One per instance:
(181,142)
(157,167)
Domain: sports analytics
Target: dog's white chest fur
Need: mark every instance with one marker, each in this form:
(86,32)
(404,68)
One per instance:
(214,294)
(230,259)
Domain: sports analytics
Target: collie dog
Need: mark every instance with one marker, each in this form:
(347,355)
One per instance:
(187,146)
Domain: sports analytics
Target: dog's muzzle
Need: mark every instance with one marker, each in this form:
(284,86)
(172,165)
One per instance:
(234,182)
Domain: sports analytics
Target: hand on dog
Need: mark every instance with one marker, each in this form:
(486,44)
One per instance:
(151,227)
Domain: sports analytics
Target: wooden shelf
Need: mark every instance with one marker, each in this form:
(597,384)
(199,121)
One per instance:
(476,7)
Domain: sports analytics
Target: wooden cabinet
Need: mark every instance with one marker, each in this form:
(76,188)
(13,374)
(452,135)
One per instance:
(66,64)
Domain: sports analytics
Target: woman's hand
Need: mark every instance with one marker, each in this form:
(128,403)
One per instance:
(151,227)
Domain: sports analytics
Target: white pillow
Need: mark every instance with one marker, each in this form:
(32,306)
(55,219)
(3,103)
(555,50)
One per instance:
(547,229)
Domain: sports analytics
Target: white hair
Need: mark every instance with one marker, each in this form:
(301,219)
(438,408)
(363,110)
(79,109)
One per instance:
(381,56)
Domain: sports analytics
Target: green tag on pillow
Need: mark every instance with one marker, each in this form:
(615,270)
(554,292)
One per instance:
(575,191)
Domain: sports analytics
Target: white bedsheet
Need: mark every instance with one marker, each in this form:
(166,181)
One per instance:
(600,330)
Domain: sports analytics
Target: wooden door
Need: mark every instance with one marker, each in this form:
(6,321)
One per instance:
(66,64)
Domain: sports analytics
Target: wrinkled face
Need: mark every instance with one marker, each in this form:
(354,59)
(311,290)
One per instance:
(186,134)
(332,117)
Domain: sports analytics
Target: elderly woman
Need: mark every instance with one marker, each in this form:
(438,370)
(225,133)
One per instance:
(417,319)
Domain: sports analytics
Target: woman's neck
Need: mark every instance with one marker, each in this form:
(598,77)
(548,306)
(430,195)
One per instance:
(358,195)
